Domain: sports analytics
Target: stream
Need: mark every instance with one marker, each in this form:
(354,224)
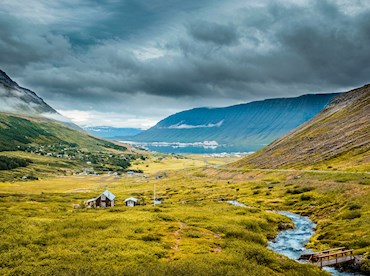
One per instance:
(291,242)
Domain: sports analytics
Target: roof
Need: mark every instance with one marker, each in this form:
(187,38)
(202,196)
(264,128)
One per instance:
(131,199)
(90,200)
(109,195)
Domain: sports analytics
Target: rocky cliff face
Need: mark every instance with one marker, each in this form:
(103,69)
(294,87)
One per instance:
(252,125)
(16,99)
(337,138)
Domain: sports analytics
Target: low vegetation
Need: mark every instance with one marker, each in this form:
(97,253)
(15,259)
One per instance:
(8,163)
(25,133)
(194,231)
(42,234)
(55,149)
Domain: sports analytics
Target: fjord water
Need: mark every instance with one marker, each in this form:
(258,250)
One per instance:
(198,150)
(205,147)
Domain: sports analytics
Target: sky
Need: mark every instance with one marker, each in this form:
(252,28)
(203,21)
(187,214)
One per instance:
(130,63)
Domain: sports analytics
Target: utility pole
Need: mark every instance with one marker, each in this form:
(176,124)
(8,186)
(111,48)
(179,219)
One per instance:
(154,196)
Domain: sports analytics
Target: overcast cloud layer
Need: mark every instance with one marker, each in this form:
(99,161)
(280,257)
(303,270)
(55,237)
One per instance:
(131,63)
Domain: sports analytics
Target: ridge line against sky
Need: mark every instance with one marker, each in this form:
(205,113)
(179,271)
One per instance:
(131,63)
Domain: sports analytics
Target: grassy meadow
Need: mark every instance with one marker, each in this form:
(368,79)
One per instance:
(193,232)
(158,163)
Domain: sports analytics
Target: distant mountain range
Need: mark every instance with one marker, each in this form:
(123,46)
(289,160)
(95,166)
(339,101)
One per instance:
(337,138)
(251,125)
(112,132)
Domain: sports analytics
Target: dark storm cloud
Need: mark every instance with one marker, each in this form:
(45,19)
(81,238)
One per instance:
(23,43)
(332,46)
(213,32)
(184,53)
(130,19)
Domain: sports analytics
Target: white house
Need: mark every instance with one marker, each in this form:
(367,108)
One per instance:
(131,201)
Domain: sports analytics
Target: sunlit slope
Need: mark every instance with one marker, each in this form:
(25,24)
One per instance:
(20,132)
(337,138)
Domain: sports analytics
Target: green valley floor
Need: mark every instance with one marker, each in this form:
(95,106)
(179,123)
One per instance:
(193,232)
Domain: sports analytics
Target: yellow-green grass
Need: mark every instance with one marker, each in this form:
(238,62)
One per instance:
(42,234)
(214,160)
(155,164)
(338,203)
(192,232)
(355,160)
(161,163)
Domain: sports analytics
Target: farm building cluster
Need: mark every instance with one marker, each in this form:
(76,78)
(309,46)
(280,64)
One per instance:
(107,199)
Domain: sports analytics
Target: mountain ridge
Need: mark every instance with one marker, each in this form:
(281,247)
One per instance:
(21,101)
(18,97)
(336,137)
(253,124)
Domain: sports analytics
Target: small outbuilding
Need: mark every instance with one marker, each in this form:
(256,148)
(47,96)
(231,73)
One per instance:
(131,201)
(106,199)
(158,200)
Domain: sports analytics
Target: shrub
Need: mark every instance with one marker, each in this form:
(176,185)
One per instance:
(365,267)
(300,190)
(245,236)
(352,214)
(9,163)
(139,230)
(253,252)
(354,206)
(199,174)
(166,217)
(305,197)
(193,234)
(251,225)
(151,238)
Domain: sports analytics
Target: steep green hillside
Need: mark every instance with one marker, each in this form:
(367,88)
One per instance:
(250,125)
(35,140)
(337,138)
(21,132)
(34,147)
